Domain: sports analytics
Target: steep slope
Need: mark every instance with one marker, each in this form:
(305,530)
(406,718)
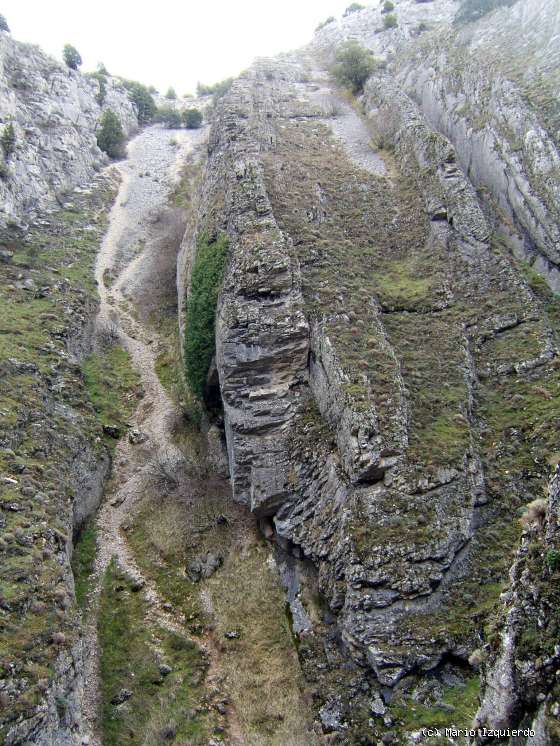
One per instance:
(387,369)
(54,112)
(490,88)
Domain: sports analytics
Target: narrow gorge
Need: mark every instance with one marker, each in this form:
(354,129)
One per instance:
(280,394)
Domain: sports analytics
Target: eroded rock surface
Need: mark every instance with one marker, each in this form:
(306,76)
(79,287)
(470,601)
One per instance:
(55,112)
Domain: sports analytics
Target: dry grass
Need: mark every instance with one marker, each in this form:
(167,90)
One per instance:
(262,667)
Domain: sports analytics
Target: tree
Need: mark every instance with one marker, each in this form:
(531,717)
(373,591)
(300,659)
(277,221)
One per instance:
(217,90)
(171,93)
(353,8)
(8,140)
(192,118)
(110,137)
(4,24)
(388,6)
(71,56)
(390,21)
(353,66)
(169,116)
(326,22)
(142,99)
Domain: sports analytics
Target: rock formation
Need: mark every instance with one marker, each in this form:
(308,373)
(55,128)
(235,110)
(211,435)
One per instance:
(386,353)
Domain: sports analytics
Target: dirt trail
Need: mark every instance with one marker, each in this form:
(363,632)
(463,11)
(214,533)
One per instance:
(148,176)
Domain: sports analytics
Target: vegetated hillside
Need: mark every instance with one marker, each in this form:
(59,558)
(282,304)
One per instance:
(54,112)
(387,357)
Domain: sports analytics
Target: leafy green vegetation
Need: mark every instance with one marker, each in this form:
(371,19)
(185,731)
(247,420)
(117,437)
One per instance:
(192,118)
(206,282)
(71,56)
(217,89)
(110,136)
(388,6)
(456,708)
(142,99)
(113,386)
(169,116)
(100,76)
(170,93)
(390,21)
(353,8)
(324,23)
(8,140)
(83,560)
(150,678)
(353,65)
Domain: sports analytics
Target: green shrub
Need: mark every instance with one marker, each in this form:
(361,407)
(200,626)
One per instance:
(553,559)
(171,93)
(101,79)
(353,8)
(206,281)
(71,56)
(110,137)
(326,22)
(192,118)
(8,140)
(353,66)
(4,24)
(142,99)
(472,10)
(388,6)
(169,116)
(390,21)
(217,89)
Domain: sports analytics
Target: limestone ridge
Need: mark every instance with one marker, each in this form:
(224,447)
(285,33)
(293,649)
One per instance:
(261,331)
(371,332)
(54,111)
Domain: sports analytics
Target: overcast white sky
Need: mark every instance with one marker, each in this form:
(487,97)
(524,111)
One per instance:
(165,43)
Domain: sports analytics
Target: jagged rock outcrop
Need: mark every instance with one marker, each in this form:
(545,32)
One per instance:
(522,660)
(55,112)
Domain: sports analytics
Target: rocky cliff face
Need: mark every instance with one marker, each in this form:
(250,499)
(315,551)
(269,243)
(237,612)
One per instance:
(521,660)
(55,112)
(387,364)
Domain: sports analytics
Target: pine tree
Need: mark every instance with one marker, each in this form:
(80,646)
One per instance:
(71,56)
(110,137)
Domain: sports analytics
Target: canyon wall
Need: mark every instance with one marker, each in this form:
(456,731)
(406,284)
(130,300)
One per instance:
(55,112)
(387,359)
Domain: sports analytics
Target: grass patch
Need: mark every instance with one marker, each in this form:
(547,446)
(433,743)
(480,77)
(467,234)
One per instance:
(206,281)
(266,683)
(457,709)
(113,386)
(160,707)
(83,560)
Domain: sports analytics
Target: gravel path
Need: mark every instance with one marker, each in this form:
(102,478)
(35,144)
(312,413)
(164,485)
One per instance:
(148,176)
(347,126)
